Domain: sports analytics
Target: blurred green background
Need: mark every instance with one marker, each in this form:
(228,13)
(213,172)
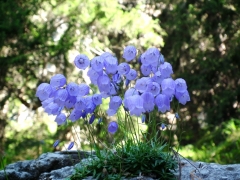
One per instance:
(200,38)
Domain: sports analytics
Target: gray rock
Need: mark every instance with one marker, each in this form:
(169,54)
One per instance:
(61,165)
(189,170)
(45,164)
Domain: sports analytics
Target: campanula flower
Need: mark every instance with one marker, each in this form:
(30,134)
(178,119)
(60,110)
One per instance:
(166,70)
(58,81)
(181,85)
(75,115)
(53,109)
(97,99)
(123,68)
(70,102)
(182,97)
(168,87)
(148,101)
(115,102)
(163,103)
(111,65)
(61,95)
(80,103)
(153,88)
(112,127)
(81,61)
(44,90)
(73,89)
(97,63)
(150,57)
(135,105)
(146,69)
(129,53)
(103,83)
(131,75)
(142,83)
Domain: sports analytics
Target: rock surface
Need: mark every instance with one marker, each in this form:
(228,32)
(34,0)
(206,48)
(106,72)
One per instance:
(60,165)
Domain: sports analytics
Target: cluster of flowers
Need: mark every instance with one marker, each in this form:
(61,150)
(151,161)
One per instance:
(155,87)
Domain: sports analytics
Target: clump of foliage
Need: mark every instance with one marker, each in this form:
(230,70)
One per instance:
(130,160)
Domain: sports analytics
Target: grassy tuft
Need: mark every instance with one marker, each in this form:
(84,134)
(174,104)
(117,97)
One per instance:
(129,160)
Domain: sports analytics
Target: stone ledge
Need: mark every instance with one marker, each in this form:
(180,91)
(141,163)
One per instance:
(60,165)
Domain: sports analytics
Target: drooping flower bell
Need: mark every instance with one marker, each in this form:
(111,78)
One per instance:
(112,127)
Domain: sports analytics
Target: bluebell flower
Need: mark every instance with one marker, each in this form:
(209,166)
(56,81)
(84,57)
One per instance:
(166,70)
(130,92)
(182,97)
(168,87)
(115,102)
(70,102)
(97,63)
(73,89)
(135,105)
(146,69)
(97,99)
(123,68)
(44,90)
(181,85)
(150,57)
(129,53)
(111,65)
(148,101)
(75,115)
(153,88)
(162,102)
(70,146)
(80,103)
(112,127)
(104,83)
(142,83)
(90,106)
(131,75)
(61,119)
(47,102)
(53,109)
(58,81)
(81,61)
